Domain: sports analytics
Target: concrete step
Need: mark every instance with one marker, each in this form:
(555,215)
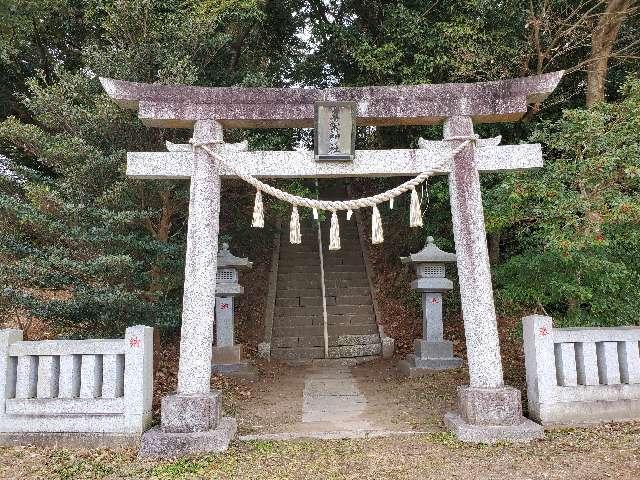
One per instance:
(287,302)
(366,319)
(339,283)
(317,310)
(358,269)
(317,293)
(346,351)
(299,258)
(316,301)
(286,267)
(317,330)
(313,281)
(350,310)
(295,267)
(297,353)
(297,311)
(284,283)
(306,331)
(345,239)
(338,321)
(347,245)
(303,292)
(352,299)
(310,243)
(300,277)
(343,260)
(346,235)
(329,276)
(318,341)
(301,321)
(309,253)
(308,246)
(348,292)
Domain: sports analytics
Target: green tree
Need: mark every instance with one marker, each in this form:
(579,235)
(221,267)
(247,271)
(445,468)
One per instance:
(83,246)
(574,225)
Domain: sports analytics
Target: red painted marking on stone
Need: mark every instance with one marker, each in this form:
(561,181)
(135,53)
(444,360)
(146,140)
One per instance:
(543,331)
(224,306)
(134,342)
(434,300)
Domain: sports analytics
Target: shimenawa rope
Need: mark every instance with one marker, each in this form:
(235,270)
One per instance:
(415,214)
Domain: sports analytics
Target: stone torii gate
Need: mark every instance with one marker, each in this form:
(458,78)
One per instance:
(487,409)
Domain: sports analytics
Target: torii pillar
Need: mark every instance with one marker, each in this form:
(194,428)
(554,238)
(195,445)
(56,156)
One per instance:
(487,409)
(191,419)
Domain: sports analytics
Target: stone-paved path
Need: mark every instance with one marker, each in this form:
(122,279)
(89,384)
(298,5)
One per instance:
(324,399)
(331,398)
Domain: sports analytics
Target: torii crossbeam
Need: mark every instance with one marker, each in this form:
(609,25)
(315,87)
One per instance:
(487,409)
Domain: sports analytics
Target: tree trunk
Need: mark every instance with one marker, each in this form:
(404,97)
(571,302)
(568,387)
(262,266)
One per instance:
(493,243)
(161,233)
(602,40)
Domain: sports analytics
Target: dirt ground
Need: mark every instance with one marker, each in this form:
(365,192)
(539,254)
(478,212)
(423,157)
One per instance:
(273,402)
(590,454)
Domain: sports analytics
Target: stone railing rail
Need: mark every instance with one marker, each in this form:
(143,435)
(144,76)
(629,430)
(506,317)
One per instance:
(97,386)
(581,375)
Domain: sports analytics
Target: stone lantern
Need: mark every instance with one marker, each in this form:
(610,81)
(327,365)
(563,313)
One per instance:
(227,355)
(432,352)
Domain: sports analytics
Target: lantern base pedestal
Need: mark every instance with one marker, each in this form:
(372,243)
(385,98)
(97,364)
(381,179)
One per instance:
(227,361)
(413,366)
(430,357)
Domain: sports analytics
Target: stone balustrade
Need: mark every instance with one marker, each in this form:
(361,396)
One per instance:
(97,386)
(581,375)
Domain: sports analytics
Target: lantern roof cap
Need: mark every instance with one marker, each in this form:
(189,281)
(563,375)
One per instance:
(228,259)
(429,254)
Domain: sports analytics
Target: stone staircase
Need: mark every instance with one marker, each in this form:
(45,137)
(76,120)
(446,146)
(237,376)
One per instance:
(298,327)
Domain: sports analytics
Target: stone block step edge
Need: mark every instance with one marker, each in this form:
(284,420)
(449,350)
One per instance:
(318,341)
(334,352)
(317,292)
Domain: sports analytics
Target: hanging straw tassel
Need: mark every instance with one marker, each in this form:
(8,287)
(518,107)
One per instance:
(415,214)
(334,232)
(377,235)
(258,211)
(349,213)
(315,214)
(294,226)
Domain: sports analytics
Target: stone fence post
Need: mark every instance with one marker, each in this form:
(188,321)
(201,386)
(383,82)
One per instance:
(540,361)
(138,376)
(8,367)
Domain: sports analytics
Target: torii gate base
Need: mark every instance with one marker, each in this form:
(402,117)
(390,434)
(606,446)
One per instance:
(488,411)
(490,415)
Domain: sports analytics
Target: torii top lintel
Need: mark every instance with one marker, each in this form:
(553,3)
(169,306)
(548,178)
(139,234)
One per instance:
(239,107)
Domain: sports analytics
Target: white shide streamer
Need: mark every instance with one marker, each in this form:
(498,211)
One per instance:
(258,211)
(377,236)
